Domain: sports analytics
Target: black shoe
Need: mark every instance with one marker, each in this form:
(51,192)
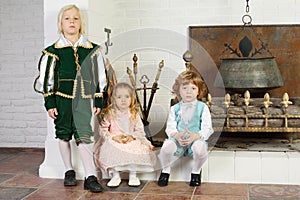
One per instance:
(91,183)
(70,178)
(195,179)
(163,179)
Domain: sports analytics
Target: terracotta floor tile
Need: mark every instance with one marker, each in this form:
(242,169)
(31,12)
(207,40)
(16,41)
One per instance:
(163,197)
(19,180)
(14,193)
(4,177)
(58,194)
(174,187)
(4,155)
(59,184)
(275,191)
(109,196)
(22,162)
(223,189)
(20,150)
(218,197)
(26,181)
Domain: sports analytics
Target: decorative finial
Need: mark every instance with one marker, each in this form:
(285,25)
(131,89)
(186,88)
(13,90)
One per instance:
(227,100)
(285,100)
(247,98)
(188,57)
(135,58)
(267,101)
(208,100)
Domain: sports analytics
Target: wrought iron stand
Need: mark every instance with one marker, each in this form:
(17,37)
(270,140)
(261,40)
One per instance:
(144,80)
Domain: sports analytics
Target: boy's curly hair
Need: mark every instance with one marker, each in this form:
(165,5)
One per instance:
(187,77)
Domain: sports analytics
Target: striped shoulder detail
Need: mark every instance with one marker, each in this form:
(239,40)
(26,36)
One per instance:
(96,51)
(50,54)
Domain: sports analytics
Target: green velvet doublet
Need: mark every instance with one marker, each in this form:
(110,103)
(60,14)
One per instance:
(64,66)
(69,78)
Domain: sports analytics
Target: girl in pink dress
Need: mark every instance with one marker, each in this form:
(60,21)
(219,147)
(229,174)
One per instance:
(123,145)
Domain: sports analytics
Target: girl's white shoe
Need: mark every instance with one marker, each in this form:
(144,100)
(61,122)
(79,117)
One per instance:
(114,182)
(134,181)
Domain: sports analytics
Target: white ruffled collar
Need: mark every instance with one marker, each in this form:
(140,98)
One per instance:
(189,104)
(187,110)
(82,42)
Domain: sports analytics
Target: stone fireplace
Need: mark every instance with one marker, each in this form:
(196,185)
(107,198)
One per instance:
(262,117)
(282,42)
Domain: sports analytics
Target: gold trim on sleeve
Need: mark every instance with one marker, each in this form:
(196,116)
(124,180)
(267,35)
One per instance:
(48,94)
(50,54)
(96,51)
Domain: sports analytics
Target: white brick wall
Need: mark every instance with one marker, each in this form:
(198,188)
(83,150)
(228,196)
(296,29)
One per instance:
(23,119)
(158,29)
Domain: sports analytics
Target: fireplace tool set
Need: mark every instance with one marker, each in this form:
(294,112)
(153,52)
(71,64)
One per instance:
(144,80)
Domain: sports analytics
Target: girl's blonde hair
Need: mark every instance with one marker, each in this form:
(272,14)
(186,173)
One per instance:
(133,107)
(187,77)
(60,14)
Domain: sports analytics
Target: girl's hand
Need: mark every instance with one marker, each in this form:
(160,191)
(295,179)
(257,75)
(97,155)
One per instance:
(52,113)
(124,139)
(117,138)
(129,138)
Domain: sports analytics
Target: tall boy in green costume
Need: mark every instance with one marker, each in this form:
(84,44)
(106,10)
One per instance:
(72,79)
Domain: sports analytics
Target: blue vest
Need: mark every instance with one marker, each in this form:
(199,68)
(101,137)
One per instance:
(194,124)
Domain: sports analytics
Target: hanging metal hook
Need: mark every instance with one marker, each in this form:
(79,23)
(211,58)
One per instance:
(247,6)
(244,19)
(107,43)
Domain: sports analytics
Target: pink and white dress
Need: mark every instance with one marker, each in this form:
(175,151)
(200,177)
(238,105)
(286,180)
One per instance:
(132,156)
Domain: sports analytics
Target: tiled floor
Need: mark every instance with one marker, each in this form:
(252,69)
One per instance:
(19,180)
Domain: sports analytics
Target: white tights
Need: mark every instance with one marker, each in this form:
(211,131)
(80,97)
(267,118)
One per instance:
(86,156)
(169,148)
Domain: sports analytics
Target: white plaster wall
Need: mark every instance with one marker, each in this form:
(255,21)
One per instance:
(153,29)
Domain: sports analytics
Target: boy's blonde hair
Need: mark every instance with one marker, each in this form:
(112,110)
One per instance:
(133,107)
(187,77)
(60,14)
